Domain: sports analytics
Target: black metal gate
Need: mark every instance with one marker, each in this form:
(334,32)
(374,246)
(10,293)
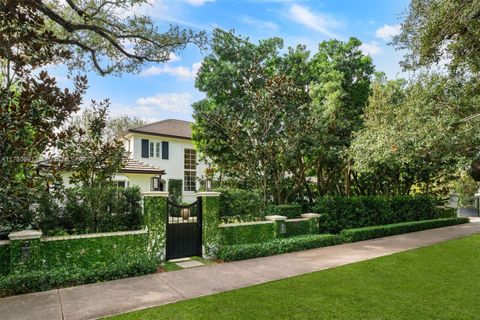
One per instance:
(184,230)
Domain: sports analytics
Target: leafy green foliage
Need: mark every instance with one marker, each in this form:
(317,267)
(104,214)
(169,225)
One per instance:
(288,210)
(300,227)
(247,233)
(4,259)
(42,280)
(210,223)
(277,246)
(338,213)
(155,210)
(175,187)
(90,210)
(360,234)
(239,202)
(435,31)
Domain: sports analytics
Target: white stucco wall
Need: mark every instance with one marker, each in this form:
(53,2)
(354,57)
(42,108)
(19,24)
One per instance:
(174,166)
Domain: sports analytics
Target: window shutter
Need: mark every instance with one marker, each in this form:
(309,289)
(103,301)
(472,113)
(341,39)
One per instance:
(165,150)
(145,144)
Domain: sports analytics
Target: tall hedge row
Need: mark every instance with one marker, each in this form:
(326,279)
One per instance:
(338,213)
(247,233)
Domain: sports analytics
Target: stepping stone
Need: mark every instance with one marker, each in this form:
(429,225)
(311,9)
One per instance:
(189,264)
(180,260)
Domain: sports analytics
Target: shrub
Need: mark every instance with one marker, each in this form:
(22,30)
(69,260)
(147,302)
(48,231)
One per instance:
(4,259)
(175,187)
(50,279)
(239,202)
(359,234)
(277,246)
(296,228)
(288,210)
(87,210)
(338,213)
(247,233)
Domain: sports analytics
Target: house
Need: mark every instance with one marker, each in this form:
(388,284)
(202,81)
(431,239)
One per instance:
(159,152)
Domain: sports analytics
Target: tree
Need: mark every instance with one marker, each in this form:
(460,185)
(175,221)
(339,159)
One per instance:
(105,36)
(92,159)
(339,92)
(414,132)
(253,118)
(116,126)
(441,30)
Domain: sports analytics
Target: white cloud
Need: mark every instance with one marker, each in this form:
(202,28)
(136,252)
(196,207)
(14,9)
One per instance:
(260,24)
(198,3)
(371,48)
(172,102)
(319,22)
(387,31)
(181,72)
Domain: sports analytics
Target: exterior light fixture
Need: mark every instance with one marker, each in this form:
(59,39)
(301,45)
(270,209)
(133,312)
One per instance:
(283,228)
(25,255)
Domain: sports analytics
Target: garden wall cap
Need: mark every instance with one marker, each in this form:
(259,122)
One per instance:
(155,194)
(310,215)
(208,194)
(275,218)
(25,234)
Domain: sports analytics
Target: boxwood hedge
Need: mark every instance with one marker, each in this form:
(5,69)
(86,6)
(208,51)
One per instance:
(247,233)
(40,280)
(277,246)
(359,234)
(339,213)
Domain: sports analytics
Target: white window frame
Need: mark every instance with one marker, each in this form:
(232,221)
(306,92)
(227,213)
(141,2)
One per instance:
(187,186)
(151,149)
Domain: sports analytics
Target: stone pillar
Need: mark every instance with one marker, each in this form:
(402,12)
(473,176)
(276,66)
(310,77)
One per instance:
(25,250)
(155,213)
(280,228)
(313,222)
(210,202)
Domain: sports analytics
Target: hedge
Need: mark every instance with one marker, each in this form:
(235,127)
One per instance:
(239,202)
(4,259)
(339,213)
(42,280)
(247,233)
(290,211)
(277,246)
(297,228)
(91,253)
(359,234)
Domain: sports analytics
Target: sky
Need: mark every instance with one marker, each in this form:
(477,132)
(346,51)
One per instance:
(162,91)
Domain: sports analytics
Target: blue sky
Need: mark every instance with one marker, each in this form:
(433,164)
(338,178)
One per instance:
(167,90)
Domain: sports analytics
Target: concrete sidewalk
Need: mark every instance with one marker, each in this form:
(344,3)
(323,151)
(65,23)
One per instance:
(113,297)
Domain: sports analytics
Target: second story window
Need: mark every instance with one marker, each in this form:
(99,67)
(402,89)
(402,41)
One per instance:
(157,150)
(190,173)
(152,149)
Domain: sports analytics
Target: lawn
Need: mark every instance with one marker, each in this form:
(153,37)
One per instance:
(437,282)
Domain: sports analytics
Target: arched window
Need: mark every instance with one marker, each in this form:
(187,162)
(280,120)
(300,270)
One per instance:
(157,184)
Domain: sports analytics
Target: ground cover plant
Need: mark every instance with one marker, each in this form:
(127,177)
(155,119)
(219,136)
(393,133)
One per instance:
(411,285)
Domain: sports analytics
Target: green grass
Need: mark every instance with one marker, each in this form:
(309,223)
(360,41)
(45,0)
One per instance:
(437,282)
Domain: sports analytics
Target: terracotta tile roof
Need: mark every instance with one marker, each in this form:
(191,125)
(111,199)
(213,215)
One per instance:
(167,128)
(135,166)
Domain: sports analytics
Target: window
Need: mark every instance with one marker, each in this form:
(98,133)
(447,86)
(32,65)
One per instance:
(190,166)
(156,184)
(144,148)
(152,149)
(165,150)
(121,184)
(157,150)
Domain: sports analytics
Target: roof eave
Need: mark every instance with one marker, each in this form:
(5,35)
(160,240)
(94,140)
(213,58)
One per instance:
(159,134)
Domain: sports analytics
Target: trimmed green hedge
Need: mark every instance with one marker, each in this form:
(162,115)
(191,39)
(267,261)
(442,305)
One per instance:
(239,202)
(91,253)
(359,234)
(277,246)
(297,228)
(42,280)
(248,233)
(290,211)
(4,259)
(339,213)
